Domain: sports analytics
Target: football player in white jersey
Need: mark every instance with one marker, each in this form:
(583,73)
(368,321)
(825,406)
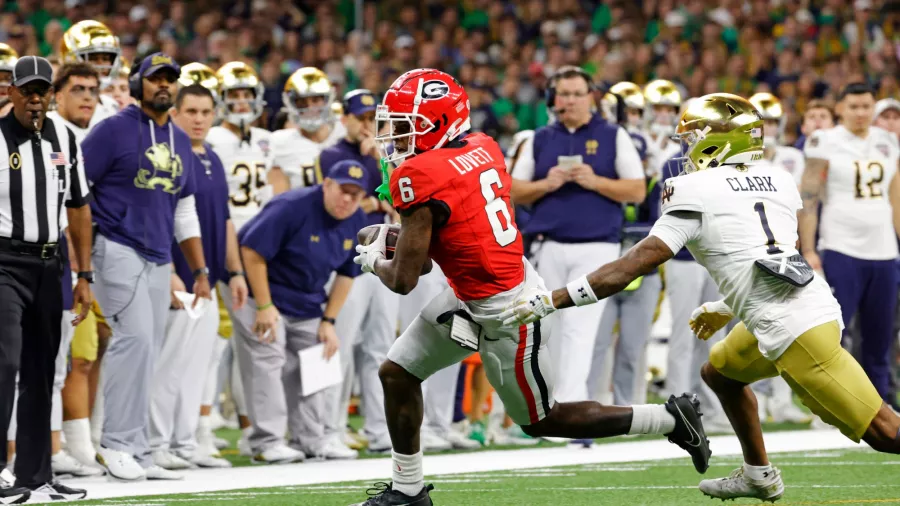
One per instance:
(633,101)
(77,89)
(118,88)
(308,97)
(852,170)
(8,59)
(662,102)
(887,115)
(740,222)
(245,150)
(91,41)
(774,120)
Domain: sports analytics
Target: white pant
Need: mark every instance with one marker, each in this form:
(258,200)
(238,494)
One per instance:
(515,359)
(688,285)
(368,319)
(62,370)
(179,378)
(439,390)
(573,332)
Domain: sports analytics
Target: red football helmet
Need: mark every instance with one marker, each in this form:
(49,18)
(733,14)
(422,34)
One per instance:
(424,107)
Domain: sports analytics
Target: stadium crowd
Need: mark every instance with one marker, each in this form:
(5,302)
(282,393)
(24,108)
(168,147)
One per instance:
(292,89)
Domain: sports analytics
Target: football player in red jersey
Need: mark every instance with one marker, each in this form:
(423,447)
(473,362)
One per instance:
(452,189)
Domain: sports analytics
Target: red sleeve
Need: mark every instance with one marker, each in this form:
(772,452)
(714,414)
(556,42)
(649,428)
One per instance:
(411,187)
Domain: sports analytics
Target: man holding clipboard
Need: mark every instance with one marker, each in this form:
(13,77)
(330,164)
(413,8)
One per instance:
(576,174)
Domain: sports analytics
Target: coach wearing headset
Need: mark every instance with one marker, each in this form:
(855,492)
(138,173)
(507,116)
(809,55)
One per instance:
(576,174)
(142,169)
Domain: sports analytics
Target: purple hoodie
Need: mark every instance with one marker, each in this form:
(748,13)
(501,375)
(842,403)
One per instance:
(137,180)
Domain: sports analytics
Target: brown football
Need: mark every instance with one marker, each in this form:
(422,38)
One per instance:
(369,234)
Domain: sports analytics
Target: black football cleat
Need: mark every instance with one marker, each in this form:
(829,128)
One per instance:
(689,433)
(383,494)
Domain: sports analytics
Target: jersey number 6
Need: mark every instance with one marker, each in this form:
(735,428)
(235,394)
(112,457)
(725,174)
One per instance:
(494,207)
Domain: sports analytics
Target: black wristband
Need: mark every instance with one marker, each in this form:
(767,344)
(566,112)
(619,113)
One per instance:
(203,271)
(232,274)
(86,275)
(326,319)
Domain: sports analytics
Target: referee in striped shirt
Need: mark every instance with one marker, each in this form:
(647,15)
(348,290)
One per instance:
(40,171)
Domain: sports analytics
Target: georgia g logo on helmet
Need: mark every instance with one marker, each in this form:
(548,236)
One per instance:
(435,89)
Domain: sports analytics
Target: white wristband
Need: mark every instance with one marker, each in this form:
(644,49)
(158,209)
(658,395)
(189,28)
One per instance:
(581,292)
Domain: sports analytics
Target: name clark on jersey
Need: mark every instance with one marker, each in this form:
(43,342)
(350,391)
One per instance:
(471,160)
(752,184)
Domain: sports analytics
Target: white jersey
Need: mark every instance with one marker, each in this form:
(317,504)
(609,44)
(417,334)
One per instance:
(106,107)
(729,218)
(245,165)
(857,218)
(790,159)
(298,156)
(663,154)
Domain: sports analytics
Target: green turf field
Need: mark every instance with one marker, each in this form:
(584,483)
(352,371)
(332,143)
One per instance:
(845,477)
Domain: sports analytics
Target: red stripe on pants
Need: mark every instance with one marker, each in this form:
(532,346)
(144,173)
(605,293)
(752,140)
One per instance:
(520,374)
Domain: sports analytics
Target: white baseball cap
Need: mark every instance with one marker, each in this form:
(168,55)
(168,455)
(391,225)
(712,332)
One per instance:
(884,104)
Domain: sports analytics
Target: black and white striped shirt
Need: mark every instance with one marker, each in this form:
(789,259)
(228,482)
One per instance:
(38,176)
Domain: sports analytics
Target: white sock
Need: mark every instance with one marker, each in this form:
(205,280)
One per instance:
(407,473)
(651,419)
(757,473)
(204,425)
(78,439)
(246,432)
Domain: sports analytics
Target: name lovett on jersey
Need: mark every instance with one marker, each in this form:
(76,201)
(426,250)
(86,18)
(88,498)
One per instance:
(471,160)
(751,184)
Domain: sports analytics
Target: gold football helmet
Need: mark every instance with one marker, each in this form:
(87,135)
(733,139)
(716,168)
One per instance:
(304,84)
(238,75)
(632,97)
(89,37)
(8,58)
(661,92)
(771,111)
(720,129)
(124,68)
(198,73)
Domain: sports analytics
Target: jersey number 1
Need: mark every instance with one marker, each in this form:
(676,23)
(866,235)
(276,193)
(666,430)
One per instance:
(494,207)
(760,209)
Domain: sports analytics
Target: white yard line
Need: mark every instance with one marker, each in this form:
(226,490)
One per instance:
(311,473)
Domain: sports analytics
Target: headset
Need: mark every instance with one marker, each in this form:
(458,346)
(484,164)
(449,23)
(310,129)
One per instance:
(135,84)
(550,92)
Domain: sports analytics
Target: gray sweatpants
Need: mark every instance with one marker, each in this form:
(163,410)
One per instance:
(134,295)
(634,312)
(688,285)
(270,373)
(368,320)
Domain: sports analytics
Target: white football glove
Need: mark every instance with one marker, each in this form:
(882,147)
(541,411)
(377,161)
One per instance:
(370,253)
(529,307)
(707,319)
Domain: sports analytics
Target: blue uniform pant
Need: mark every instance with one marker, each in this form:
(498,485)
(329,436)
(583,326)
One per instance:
(868,287)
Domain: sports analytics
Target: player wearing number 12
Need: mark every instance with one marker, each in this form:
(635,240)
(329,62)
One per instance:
(452,189)
(739,221)
(853,169)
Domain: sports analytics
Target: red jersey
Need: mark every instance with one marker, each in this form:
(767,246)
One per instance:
(479,248)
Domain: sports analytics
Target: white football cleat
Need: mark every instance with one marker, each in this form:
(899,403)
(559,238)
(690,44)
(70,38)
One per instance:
(460,441)
(120,465)
(718,425)
(168,460)
(64,465)
(280,454)
(155,472)
(380,445)
(787,412)
(201,459)
(334,449)
(431,442)
(511,436)
(737,484)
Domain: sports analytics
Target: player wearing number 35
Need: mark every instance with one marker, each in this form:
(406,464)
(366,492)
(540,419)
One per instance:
(852,169)
(452,189)
(739,222)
